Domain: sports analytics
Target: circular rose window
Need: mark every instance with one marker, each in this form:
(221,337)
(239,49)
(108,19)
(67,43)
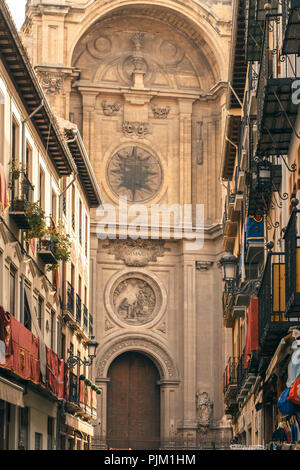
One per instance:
(136,299)
(134,173)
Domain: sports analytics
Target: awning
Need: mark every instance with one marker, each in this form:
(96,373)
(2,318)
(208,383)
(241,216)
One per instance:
(11,392)
(79,425)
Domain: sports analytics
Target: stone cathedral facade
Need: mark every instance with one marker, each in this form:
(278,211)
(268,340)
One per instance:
(145,82)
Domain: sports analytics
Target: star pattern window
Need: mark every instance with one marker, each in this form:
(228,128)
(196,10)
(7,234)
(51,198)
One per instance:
(134,173)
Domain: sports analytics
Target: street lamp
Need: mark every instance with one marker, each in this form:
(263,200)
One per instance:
(229,265)
(73,360)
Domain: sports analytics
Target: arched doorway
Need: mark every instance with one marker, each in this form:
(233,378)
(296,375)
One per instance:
(133,403)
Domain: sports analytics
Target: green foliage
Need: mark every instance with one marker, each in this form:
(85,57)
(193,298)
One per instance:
(36,219)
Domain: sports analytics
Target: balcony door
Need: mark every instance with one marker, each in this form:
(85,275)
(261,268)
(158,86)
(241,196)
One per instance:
(133,404)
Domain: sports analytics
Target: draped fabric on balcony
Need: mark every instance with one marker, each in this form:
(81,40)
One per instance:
(24,360)
(255,228)
(56,374)
(252,330)
(23,357)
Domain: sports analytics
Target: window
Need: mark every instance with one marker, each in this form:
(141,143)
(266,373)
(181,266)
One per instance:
(38,441)
(54,206)
(86,235)
(50,433)
(23,429)
(42,189)
(52,330)
(14,141)
(63,346)
(27,315)
(12,290)
(28,169)
(40,311)
(64,199)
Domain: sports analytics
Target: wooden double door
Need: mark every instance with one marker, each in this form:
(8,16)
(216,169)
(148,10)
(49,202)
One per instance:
(133,403)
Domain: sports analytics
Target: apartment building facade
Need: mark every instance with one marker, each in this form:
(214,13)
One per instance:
(260,171)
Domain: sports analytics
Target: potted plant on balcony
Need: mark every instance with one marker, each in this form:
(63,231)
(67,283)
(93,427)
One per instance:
(36,219)
(62,243)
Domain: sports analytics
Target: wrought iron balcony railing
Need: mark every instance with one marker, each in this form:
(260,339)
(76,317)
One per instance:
(273,324)
(291,26)
(292,261)
(230,374)
(22,192)
(276,112)
(46,250)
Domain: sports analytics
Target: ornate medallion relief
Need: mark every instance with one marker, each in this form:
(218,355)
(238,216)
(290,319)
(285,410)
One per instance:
(135,299)
(134,173)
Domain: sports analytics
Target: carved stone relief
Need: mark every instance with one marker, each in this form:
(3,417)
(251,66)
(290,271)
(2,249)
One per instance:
(135,129)
(135,299)
(52,82)
(110,109)
(204,410)
(160,113)
(134,173)
(137,253)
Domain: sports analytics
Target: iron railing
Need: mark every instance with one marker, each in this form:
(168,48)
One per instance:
(292,243)
(230,374)
(271,296)
(274,64)
(21,191)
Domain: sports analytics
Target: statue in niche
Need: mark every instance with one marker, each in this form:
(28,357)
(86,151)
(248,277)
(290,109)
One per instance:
(204,410)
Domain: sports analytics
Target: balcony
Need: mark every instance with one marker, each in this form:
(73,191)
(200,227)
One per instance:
(47,251)
(291,26)
(91,325)
(292,260)
(276,112)
(246,376)
(230,386)
(21,193)
(73,388)
(273,324)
